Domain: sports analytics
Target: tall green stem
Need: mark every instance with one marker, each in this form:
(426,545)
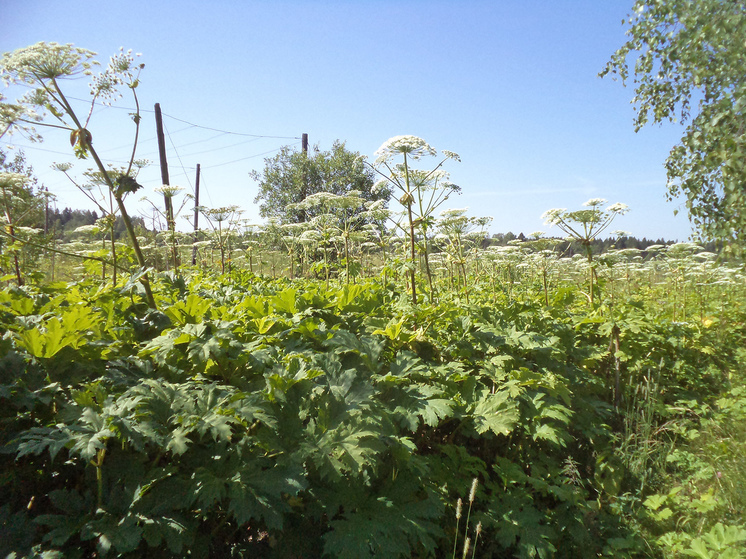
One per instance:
(118,197)
(413,254)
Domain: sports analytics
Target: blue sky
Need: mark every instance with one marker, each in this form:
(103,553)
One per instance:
(512,86)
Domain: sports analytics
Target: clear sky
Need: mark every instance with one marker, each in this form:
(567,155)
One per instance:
(511,85)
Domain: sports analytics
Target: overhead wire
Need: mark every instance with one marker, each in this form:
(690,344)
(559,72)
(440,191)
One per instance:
(234,133)
(148,139)
(178,157)
(242,142)
(192,123)
(248,157)
(203,186)
(189,126)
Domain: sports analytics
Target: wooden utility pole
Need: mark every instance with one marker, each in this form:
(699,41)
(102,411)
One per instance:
(46,210)
(164,166)
(196,217)
(304,186)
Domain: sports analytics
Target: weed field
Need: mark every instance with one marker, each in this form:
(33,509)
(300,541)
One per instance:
(257,416)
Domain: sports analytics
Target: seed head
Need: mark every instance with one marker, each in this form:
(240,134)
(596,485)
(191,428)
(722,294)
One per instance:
(473,491)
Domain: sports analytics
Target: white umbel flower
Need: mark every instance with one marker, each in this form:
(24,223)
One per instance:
(413,146)
(168,190)
(595,202)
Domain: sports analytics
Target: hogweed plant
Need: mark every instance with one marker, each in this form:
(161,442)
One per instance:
(44,67)
(15,208)
(169,192)
(544,256)
(584,226)
(460,232)
(291,238)
(90,233)
(223,221)
(96,189)
(341,215)
(421,192)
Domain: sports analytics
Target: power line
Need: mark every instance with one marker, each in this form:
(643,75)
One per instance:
(179,158)
(233,133)
(242,142)
(68,154)
(245,158)
(203,186)
(150,139)
(20,147)
(191,123)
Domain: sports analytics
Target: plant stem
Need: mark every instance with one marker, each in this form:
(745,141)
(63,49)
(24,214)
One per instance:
(120,202)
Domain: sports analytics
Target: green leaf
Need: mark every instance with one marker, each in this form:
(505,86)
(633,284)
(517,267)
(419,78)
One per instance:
(285,301)
(193,310)
(210,488)
(61,527)
(654,502)
(697,548)
(38,439)
(178,441)
(368,348)
(258,493)
(91,436)
(435,409)
(495,412)
(346,297)
(385,526)
(175,532)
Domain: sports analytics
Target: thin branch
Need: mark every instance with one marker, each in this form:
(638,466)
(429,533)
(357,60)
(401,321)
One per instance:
(137,130)
(37,123)
(45,247)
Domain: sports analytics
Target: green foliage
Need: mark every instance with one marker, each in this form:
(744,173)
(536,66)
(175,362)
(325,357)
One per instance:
(270,418)
(22,214)
(290,177)
(689,64)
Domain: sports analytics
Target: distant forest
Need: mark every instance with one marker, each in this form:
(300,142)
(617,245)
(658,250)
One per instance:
(600,246)
(62,223)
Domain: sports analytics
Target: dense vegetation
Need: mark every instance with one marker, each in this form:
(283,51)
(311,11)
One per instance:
(258,416)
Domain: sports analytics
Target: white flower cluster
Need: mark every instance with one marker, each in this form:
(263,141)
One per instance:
(379,186)
(10,115)
(318,199)
(311,235)
(44,61)
(618,208)
(553,216)
(413,146)
(453,212)
(595,202)
(62,167)
(120,70)
(27,230)
(12,180)
(452,155)
(221,214)
(375,205)
(87,229)
(168,190)
(293,229)
(329,200)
